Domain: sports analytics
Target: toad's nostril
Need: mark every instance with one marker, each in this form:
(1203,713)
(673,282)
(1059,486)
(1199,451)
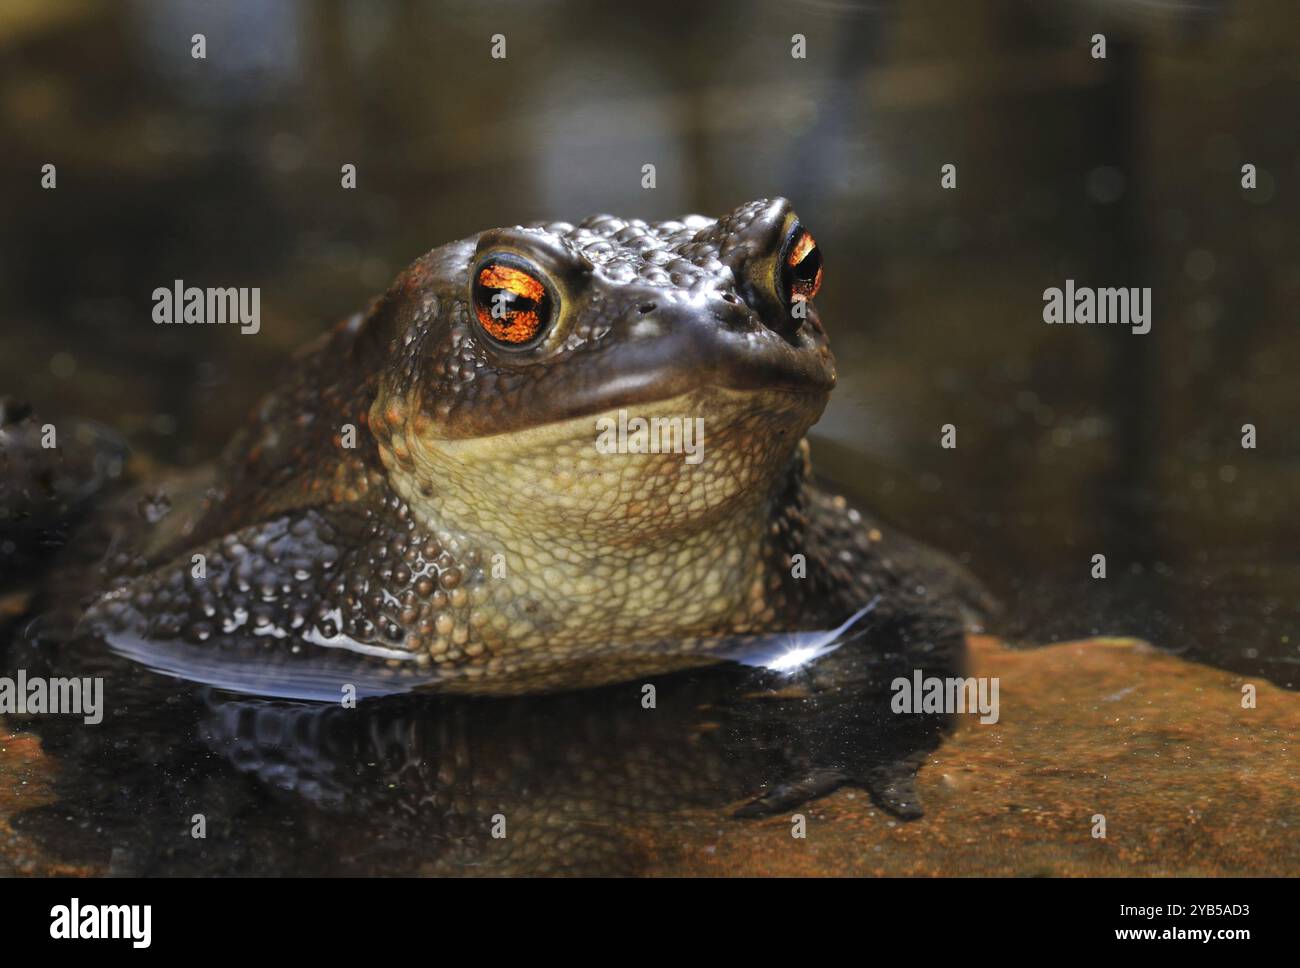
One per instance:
(644,308)
(731,297)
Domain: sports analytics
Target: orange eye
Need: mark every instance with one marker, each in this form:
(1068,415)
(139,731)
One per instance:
(801,269)
(511,302)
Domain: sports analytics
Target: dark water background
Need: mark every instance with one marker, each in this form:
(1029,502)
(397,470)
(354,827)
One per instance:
(1071,441)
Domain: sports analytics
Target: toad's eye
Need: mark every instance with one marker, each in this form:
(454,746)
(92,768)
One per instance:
(513,305)
(801,267)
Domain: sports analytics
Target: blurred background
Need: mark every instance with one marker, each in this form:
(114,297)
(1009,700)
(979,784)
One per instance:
(1072,441)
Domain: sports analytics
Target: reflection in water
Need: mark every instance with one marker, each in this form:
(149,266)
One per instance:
(417,784)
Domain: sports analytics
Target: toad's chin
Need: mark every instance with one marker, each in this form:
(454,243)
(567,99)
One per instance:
(644,470)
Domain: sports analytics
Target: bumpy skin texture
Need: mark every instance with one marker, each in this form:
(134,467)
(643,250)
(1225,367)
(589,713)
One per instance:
(418,507)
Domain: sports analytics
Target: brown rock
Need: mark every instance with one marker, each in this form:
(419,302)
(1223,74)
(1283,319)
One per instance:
(1189,782)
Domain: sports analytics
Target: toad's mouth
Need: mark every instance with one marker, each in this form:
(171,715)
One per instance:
(732,418)
(668,354)
(674,352)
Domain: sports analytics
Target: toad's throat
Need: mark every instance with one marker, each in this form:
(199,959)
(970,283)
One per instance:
(576,516)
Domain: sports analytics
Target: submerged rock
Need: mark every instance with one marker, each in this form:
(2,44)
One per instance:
(1189,782)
